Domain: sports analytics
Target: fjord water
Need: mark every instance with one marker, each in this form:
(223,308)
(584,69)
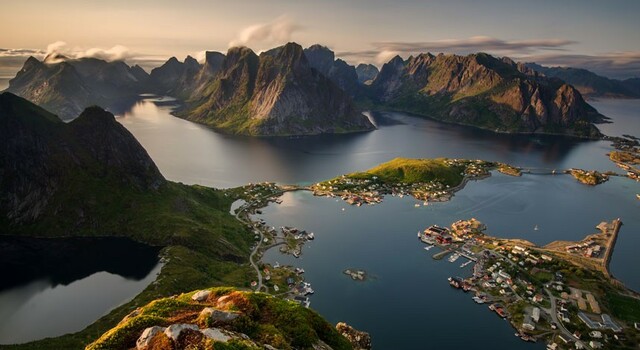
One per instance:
(408,303)
(51,287)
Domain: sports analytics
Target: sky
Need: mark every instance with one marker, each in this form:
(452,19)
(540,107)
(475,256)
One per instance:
(603,36)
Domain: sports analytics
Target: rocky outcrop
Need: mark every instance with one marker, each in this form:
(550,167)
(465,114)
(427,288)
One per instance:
(487,92)
(366,73)
(277,93)
(262,322)
(358,339)
(66,87)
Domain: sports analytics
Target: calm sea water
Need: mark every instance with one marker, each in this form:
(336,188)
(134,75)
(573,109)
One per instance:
(408,304)
(51,287)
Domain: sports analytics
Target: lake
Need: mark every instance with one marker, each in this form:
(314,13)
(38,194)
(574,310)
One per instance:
(51,287)
(408,304)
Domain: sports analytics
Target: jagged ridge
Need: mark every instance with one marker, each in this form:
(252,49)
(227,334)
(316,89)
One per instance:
(484,91)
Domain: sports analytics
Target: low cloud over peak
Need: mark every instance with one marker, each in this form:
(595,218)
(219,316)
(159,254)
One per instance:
(60,48)
(276,32)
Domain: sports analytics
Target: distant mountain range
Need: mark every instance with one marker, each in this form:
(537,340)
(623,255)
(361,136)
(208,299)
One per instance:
(484,91)
(590,84)
(289,90)
(66,87)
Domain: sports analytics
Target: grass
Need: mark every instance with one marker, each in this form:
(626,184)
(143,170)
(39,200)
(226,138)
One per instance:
(404,170)
(623,307)
(267,320)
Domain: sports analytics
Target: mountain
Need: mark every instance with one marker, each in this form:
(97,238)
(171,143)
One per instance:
(486,92)
(175,78)
(342,74)
(590,84)
(91,178)
(276,93)
(366,73)
(67,86)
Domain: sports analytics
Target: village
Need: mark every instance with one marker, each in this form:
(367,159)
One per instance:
(539,290)
(364,188)
(536,289)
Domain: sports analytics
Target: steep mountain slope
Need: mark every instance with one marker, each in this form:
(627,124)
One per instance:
(486,92)
(277,93)
(175,78)
(90,177)
(590,84)
(66,86)
(342,74)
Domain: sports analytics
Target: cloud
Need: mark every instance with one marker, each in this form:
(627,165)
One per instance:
(20,52)
(115,53)
(278,31)
(618,65)
(457,46)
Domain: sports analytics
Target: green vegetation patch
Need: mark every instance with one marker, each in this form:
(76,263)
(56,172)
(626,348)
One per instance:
(624,307)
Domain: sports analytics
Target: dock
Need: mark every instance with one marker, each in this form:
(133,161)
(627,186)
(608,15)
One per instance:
(617,223)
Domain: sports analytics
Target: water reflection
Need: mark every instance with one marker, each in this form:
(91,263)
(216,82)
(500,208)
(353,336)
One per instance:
(192,153)
(51,287)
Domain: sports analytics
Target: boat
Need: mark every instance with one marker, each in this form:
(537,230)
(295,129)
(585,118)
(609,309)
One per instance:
(311,236)
(638,196)
(465,263)
(416,205)
(454,257)
(418,234)
(478,300)
(276,265)
(535,228)
(296,254)
(428,247)
(425,203)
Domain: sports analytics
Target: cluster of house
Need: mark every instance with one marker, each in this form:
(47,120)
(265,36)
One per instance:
(589,249)
(473,168)
(468,229)
(522,256)
(440,235)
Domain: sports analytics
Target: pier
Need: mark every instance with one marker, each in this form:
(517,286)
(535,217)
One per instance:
(616,224)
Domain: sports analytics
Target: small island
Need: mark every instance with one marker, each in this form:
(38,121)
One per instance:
(591,178)
(428,180)
(355,274)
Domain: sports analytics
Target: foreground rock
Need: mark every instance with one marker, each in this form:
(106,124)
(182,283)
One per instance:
(358,339)
(240,320)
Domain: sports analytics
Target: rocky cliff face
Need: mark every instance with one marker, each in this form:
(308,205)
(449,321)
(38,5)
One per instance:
(175,78)
(66,86)
(277,93)
(366,73)
(342,74)
(484,91)
(41,156)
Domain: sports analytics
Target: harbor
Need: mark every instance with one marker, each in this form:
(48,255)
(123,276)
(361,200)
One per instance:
(507,274)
